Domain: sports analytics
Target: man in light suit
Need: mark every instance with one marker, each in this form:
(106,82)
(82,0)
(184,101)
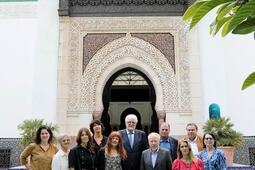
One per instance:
(134,141)
(155,158)
(167,142)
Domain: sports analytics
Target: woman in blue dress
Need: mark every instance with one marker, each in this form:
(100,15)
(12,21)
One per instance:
(213,158)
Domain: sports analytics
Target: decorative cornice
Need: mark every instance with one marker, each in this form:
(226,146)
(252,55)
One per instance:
(125,2)
(102,8)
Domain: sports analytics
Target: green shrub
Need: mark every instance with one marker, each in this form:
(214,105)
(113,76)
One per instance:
(223,131)
(29,127)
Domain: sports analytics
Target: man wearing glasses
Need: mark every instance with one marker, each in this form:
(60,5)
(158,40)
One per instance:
(134,141)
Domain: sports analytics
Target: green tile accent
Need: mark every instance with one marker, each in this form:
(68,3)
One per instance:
(17,0)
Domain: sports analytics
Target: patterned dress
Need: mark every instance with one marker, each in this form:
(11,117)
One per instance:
(112,163)
(217,161)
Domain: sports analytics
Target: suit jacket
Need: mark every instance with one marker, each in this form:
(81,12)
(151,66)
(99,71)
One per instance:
(134,154)
(163,161)
(173,149)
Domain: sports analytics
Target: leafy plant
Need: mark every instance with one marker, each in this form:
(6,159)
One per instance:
(223,131)
(249,81)
(29,127)
(235,16)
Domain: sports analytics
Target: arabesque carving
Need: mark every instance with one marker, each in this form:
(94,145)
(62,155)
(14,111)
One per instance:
(84,94)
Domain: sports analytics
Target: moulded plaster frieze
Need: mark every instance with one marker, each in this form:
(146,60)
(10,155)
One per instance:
(137,51)
(176,89)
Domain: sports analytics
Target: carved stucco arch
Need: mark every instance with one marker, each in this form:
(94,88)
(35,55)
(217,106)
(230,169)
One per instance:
(128,52)
(79,27)
(134,63)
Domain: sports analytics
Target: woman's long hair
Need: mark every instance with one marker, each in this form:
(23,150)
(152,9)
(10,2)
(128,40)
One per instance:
(90,145)
(120,148)
(179,153)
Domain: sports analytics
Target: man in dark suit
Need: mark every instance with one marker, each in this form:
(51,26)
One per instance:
(134,142)
(167,142)
(155,158)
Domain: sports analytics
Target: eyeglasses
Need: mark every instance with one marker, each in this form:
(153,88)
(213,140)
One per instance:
(209,138)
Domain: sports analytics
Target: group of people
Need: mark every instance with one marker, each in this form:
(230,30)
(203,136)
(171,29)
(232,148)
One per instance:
(127,149)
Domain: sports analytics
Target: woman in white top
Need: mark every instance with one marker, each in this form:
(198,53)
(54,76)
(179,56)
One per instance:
(60,160)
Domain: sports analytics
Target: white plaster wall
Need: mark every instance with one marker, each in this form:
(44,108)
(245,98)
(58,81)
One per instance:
(225,63)
(28,63)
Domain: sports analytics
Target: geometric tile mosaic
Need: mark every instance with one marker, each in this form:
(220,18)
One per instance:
(10,148)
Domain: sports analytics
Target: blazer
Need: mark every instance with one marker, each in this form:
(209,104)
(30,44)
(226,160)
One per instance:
(173,149)
(163,161)
(134,154)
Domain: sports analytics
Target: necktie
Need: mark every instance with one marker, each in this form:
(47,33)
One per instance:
(130,138)
(153,158)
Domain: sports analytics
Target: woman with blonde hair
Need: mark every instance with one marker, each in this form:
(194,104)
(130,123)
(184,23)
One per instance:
(186,159)
(112,155)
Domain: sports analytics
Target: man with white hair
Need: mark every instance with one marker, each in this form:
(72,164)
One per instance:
(134,141)
(155,158)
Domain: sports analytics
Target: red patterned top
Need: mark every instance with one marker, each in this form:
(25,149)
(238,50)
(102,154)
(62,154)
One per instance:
(180,164)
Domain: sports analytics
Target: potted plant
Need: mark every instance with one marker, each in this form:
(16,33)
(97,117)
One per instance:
(29,127)
(227,138)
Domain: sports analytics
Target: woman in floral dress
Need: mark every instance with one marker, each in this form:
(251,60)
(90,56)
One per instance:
(213,158)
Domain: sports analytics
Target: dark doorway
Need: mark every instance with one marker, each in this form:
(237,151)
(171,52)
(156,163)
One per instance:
(129,85)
